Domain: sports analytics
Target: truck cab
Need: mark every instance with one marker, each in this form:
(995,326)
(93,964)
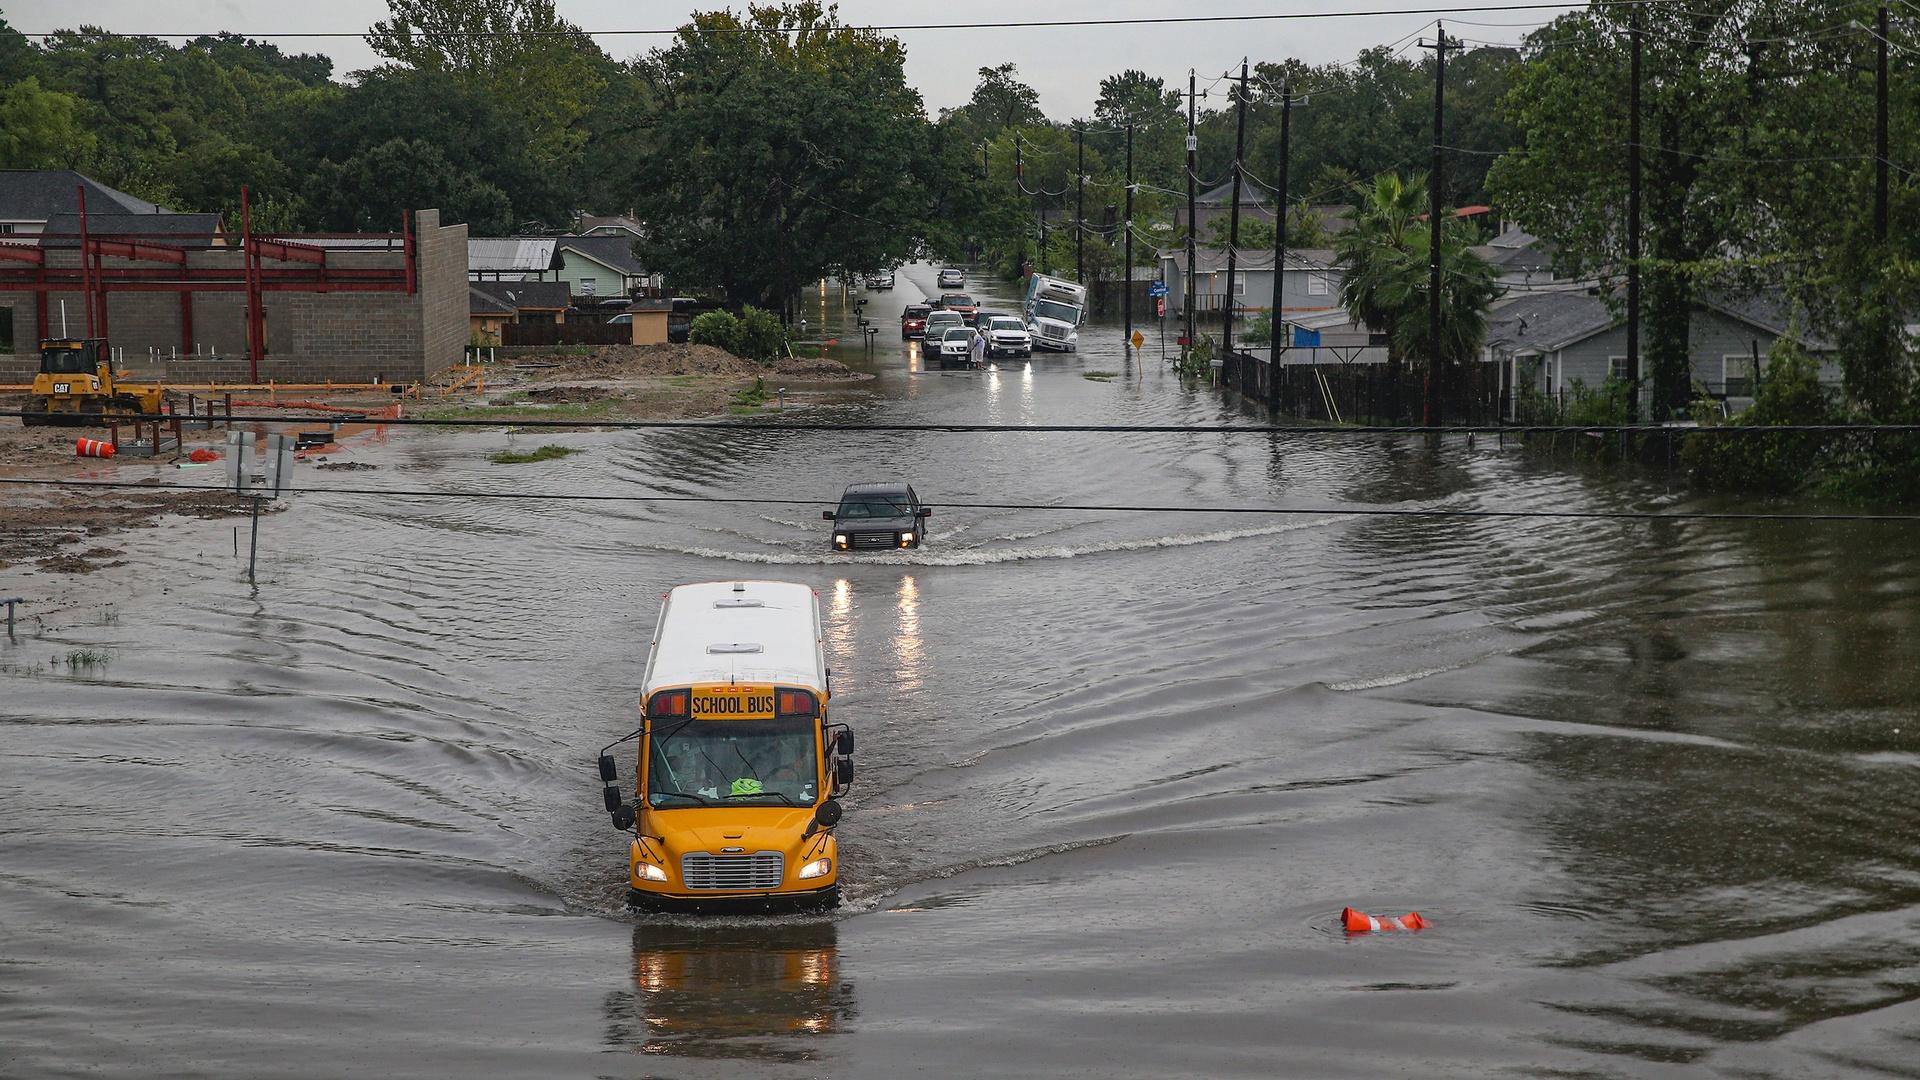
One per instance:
(878,517)
(738,769)
(1055,310)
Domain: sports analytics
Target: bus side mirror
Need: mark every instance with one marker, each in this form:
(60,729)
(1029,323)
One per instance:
(826,515)
(608,773)
(843,774)
(611,796)
(623,818)
(843,742)
(826,817)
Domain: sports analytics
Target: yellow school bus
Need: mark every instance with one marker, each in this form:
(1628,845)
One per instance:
(738,767)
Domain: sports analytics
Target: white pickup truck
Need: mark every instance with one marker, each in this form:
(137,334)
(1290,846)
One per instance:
(1055,309)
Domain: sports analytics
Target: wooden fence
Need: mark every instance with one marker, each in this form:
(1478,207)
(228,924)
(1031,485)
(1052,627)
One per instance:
(1365,393)
(580,332)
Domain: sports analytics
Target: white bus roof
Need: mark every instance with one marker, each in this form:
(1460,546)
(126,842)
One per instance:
(738,631)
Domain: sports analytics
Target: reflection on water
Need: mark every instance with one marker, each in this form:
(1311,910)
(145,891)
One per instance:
(732,989)
(907,645)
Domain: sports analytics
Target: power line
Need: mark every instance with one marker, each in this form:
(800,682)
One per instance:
(1102,508)
(1298,16)
(1053,429)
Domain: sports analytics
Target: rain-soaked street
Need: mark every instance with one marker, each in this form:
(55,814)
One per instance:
(1655,784)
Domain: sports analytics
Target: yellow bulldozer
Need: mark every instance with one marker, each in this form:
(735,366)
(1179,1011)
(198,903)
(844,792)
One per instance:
(77,385)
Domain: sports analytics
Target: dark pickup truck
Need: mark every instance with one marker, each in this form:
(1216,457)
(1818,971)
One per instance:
(878,517)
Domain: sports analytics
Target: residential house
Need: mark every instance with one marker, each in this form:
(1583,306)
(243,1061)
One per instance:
(616,225)
(30,198)
(1553,342)
(1311,283)
(600,267)
(493,304)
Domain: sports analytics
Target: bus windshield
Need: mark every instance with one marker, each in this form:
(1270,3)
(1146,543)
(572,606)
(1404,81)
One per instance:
(729,762)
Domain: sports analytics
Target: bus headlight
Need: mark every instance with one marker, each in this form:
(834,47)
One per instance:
(814,869)
(646,871)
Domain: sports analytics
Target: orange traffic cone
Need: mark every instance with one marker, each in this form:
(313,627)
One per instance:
(1359,922)
(203,455)
(92,448)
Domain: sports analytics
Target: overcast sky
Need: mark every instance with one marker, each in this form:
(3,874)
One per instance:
(1064,64)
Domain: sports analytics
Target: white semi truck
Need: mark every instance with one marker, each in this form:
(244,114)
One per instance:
(1055,309)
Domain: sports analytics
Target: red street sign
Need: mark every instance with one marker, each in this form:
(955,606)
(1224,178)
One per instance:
(1162,306)
(1182,341)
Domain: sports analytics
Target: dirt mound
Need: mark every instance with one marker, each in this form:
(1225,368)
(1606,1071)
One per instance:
(573,394)
(819,367)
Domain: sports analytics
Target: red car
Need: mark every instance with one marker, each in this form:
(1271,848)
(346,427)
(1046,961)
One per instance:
(913,321)
(960,302)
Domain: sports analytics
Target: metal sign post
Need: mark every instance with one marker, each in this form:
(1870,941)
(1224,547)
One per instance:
(278,477)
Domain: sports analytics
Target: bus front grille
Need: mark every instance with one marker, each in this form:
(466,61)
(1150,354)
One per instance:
(760,870)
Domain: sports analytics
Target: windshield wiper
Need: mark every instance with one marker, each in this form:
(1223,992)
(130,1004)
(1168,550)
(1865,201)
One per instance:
(700,799)
(781,795)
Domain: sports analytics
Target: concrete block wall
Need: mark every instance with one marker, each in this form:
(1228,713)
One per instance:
(311,337)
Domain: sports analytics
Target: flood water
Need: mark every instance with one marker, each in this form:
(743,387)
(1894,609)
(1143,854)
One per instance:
(1656,785)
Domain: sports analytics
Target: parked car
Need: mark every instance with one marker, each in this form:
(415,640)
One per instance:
(938,323)
(913,321)
(960,302)
(878,517)
(880,281)
(1007,336)
(956,347)
(952,278)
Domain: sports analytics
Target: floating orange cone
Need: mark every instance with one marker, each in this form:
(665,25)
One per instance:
(203,455)
(92,448)
(1359,922)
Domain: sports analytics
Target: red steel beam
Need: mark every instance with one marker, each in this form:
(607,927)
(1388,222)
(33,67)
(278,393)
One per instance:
(23,253)
(286,252)
(122,249)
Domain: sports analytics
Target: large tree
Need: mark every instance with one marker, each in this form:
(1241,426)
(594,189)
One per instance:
(521,51)
(790,152)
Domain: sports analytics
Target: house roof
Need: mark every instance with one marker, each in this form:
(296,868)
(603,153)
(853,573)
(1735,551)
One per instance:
(1209,260)
(40,194)
(164,229)
(613,252)
(511,255)
(589,223)
(1546,321)
(507,297)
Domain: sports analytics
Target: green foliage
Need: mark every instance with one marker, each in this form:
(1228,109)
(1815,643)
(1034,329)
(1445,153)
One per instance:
(1254,233)
(1259,329)
(549,452)
(751,198)
(753,396)
(1198,361)
(759,335)
(1790,393)
(719,329)
(41,129)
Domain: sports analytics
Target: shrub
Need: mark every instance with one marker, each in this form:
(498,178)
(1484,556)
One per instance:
(716,328)
(1259,330)
(759,336)
(1790,393)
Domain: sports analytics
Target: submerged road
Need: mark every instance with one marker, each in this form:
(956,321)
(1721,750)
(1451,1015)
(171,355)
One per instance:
(1655,784)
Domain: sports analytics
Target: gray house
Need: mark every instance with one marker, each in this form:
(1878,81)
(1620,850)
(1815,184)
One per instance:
(1311,283)
(1551,341)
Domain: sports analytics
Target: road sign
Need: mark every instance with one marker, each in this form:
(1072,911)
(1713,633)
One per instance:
(1156,288)
(1161,309)
(1139,339)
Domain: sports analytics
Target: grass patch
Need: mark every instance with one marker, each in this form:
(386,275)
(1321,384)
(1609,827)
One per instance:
(753,396)
(686,380)
(1099,376)
(549,452)
(88,658)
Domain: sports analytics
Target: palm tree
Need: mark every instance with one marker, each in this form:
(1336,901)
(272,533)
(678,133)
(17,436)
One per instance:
(1387,276)
(1371,252)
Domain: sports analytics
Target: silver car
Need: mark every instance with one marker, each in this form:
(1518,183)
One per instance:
(952,278)
(956,347)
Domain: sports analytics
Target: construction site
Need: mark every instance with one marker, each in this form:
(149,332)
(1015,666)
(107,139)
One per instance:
(184,302)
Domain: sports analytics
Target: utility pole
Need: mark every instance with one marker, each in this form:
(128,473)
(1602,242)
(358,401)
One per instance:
(1432,416)
(1276,346)
(1233,216)
(1193,173)
(1126,226)
(1080,205)
(1633,226)
(1880,136)
(986,171)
